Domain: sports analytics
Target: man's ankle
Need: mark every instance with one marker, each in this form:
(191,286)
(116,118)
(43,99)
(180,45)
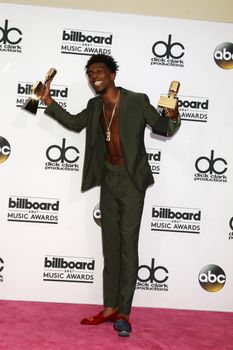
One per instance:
(125,316)
(109,310)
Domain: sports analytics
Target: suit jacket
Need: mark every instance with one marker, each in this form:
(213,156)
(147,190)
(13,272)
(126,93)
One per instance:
(135,113)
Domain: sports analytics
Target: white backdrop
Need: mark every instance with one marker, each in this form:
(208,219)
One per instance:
(49,231)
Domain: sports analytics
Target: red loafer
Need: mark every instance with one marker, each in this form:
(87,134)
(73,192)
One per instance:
(99,318)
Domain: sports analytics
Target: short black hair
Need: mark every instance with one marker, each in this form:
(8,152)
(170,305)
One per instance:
(109,62)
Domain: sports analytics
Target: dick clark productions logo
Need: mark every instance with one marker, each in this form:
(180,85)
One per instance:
(231,227)
(168,53)
(10,37)
(153,277)
(1,269)
(211,168)
(1,264)
(62,157)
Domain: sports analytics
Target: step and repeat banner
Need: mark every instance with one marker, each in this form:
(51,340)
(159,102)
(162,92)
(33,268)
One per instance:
(50,232)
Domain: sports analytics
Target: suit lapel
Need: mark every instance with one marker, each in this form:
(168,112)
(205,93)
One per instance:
(123,114)
(95,124)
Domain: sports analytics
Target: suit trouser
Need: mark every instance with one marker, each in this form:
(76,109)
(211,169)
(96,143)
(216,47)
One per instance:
(121,205)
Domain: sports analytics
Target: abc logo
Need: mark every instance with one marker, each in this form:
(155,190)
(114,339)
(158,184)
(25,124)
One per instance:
(68,154)
(223,55)
(5,149)
(1,263)
(158,274)
(97,215)
(212,278)
(168,49)
(10,35)
(211,165)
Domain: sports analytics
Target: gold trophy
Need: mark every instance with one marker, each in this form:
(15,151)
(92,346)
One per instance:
(31,105)
(170,101)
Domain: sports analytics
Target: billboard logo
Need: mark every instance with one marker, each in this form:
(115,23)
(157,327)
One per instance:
(68,269)
(33,210)
(174,219)
(86,42)
(194,109)
(154,158)
(58,92)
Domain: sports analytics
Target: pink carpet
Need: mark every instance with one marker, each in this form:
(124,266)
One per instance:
(46,326)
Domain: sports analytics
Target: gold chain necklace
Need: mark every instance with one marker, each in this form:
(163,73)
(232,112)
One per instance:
(108,125)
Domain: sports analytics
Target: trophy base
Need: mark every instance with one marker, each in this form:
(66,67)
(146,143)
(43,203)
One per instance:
(31,105)
(167,102)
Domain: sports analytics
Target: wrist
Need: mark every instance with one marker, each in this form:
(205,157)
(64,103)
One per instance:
(48,100)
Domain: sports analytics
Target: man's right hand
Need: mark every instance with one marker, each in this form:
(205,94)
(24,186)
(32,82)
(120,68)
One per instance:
(44,93)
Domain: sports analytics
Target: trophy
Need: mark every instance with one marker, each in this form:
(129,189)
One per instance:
(31,105)
(170,101)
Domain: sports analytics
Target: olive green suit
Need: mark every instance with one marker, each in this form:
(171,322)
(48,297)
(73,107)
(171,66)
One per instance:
(122,188)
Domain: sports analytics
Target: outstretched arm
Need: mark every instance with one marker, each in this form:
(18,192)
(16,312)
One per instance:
(163,122)
(54,110)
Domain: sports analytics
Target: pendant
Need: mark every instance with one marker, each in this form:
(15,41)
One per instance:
(108,135)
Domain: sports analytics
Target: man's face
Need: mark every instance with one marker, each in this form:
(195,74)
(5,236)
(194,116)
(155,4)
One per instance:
(100,78)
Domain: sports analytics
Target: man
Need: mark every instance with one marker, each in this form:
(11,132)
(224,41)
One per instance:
(116,160)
